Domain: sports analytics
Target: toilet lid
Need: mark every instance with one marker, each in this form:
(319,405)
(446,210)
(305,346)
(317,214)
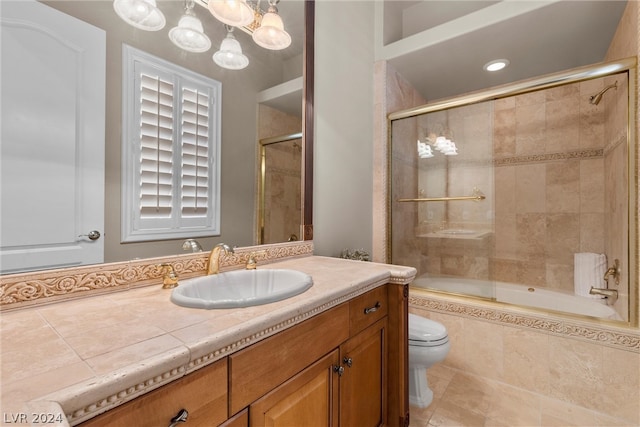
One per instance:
(424,331)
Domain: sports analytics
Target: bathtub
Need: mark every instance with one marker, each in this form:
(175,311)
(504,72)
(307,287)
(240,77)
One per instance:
(521,295)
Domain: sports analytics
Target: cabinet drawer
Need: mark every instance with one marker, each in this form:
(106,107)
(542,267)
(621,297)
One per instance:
(367,309)
(265,365)
(202,393)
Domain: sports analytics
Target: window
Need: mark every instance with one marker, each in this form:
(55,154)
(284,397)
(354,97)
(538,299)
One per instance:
(171,150)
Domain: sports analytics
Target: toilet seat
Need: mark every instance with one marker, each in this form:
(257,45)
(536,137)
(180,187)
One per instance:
(426,332)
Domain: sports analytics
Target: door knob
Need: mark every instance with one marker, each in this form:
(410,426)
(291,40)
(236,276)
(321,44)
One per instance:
(93,235)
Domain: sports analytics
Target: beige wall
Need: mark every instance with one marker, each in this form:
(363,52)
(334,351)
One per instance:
(342,189)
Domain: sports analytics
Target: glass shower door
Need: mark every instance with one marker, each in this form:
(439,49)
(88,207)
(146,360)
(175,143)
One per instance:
(442,187)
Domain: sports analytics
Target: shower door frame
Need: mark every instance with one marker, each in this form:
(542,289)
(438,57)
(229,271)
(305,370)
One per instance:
(264,143)
(590,72)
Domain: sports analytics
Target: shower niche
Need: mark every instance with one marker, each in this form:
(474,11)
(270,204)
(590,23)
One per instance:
(496,194)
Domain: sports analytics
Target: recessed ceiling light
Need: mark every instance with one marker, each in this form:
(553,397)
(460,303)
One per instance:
(496,65)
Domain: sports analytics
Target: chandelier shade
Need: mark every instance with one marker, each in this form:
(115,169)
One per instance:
(230,55)
(142,14)
(236,13)
(271,34)
(189,34)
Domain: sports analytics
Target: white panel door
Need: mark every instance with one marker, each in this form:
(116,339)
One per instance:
(52,138)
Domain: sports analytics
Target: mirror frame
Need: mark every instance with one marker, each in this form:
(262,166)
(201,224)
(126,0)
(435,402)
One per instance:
(307,119)
(588,72)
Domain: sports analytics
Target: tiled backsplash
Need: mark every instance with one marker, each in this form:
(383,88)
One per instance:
(25,289)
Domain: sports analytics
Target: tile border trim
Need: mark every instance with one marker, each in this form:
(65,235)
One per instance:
(611,336)
(539,158)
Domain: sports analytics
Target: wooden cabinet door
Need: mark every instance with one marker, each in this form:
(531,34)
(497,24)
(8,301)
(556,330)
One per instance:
(309,399)
(363,383)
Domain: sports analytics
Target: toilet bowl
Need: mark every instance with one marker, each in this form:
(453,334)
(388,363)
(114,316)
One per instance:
(428,344)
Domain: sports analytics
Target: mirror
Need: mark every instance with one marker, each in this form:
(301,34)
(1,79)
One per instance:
(537,204)
(240,93)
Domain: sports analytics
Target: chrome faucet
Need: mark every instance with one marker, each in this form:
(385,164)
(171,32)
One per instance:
(191,245)
(214,257)
(611,295)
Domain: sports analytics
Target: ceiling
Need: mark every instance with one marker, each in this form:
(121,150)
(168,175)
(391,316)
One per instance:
(440,46)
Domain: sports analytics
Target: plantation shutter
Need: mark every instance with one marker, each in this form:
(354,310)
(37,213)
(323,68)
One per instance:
(156,150)
(171,144)
(195,153)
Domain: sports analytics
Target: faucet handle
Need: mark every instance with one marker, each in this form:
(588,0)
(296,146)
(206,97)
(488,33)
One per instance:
(169,275)
(252,263)
(613,271)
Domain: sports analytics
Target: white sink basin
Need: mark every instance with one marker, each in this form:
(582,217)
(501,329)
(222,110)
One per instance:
(240,288)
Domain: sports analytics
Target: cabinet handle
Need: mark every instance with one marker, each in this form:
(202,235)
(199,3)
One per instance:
(347,361)
(372,309)
(338,369)
(181,417)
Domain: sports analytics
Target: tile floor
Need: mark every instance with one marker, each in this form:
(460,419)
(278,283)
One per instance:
(449,388)
(466,400)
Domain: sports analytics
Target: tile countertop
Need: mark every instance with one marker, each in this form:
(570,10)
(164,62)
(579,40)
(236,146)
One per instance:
(84,356)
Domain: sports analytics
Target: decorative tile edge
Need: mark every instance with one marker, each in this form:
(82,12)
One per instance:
(118,398)
(610,336)
(27,289)
(537,158)
(123,396)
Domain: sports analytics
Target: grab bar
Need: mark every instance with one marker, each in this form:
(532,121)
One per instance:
(476,197)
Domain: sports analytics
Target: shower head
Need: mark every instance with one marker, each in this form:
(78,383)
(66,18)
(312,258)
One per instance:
(595,99)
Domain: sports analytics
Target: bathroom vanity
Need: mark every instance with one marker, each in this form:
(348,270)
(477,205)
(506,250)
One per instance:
(333,366)
(334,355)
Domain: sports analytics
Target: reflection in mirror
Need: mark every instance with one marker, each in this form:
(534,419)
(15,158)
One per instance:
(280,191)
(536,207)
(239,127)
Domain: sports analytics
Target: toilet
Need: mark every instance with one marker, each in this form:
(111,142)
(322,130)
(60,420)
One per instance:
(428,344)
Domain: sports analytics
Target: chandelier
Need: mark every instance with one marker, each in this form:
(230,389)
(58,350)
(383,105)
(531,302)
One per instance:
(265,27)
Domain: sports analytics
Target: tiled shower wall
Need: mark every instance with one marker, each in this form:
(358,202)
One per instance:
(549,183)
